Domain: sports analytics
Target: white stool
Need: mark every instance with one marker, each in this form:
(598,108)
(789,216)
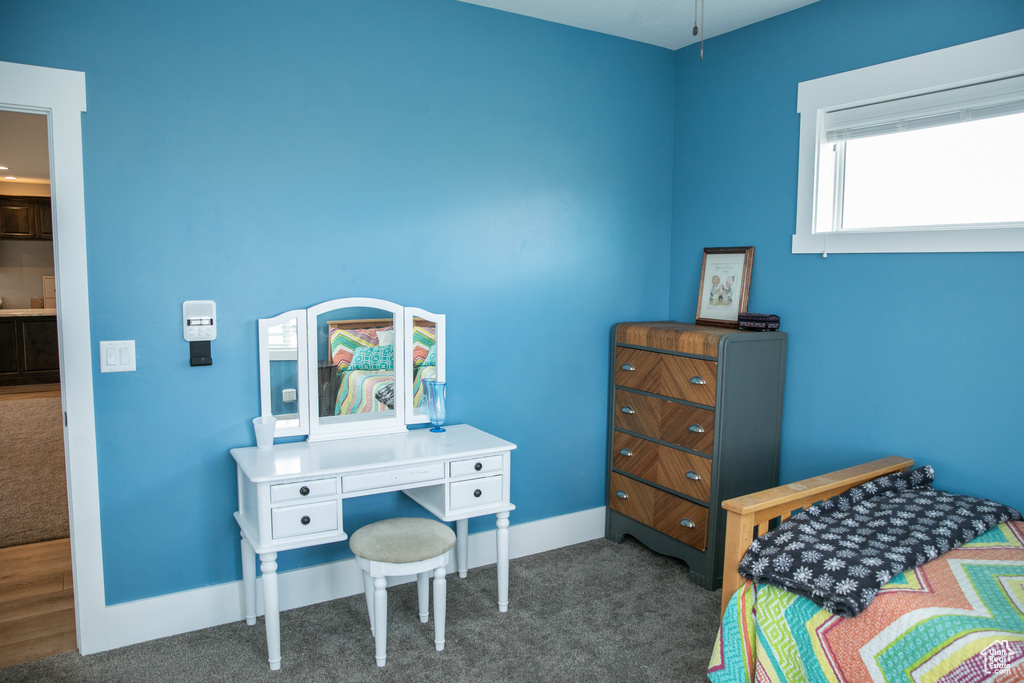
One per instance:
(402,547)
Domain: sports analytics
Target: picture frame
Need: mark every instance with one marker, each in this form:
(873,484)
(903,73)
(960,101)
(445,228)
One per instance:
(724,285)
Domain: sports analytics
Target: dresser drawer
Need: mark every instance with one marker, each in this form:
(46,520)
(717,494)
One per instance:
(298,520)
(680,471)
(301,490)
(673,516)
(677,423)
(488,464)
(476,492)
(682,377)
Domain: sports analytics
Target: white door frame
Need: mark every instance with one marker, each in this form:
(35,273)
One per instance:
(60,95)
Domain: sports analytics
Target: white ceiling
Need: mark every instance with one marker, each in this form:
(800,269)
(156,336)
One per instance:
(24,147)
(665,23)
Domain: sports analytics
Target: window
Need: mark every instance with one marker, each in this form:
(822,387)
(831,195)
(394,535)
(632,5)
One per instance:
(918,155)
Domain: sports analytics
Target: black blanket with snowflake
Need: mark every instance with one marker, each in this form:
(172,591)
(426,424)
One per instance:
(840,551)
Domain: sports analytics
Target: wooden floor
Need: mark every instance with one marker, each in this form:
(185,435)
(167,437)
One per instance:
(29,391)
(37,608)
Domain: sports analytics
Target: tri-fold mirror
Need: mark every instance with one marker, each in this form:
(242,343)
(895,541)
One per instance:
(349,367)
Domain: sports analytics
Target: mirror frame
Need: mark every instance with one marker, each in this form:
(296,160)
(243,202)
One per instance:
(322,430)
(284,427)
(411,314)
(309,423)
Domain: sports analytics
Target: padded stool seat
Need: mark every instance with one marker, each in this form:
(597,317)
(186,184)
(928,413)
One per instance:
(402,547)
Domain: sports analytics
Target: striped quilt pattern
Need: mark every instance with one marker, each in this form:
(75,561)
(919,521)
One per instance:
(423,373)
(358,389)
(956,619)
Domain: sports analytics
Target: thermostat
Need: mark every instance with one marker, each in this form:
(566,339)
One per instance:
(199,320)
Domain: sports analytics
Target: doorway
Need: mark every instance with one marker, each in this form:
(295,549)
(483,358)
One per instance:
(59,95)
(37,617)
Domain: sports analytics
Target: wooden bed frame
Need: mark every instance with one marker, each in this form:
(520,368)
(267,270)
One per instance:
(747,517)
(358,324)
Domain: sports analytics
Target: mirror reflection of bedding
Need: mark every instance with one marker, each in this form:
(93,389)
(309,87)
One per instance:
(361,376)
(424,358)
(362,365)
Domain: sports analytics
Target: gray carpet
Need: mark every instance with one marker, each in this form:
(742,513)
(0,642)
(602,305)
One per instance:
(592,612)
(33,486)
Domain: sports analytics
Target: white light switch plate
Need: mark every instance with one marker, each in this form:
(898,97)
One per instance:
(117,356)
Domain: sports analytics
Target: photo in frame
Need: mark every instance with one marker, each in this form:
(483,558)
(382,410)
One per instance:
(724,285)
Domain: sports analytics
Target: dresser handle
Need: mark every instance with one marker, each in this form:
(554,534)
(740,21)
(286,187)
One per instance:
(477,493)
(621,494)
(696,429)
(626,452)
(304,520)
(628,411)
(688,523)
(693,476)
(479,466)
(628,367)
(697,380)
(304,491)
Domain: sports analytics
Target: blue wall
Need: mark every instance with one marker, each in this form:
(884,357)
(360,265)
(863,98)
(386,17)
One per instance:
(536,183)
(510,173)
(910,354)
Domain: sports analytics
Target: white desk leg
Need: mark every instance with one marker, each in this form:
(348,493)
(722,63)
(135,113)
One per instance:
(502,561)
(462,546)
(272,616)
(249,581)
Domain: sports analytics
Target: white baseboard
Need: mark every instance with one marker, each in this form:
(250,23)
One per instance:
(167,615)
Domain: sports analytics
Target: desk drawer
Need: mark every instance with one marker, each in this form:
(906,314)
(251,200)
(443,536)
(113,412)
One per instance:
(488,464)
(396,477)
(301,490)
(476,492)
(297,520)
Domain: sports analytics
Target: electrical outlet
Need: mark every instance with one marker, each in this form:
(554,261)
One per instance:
(289,395)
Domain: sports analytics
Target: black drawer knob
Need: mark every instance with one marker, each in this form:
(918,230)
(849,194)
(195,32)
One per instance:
(304,491)
(479,466)
(477,493)
(305,519)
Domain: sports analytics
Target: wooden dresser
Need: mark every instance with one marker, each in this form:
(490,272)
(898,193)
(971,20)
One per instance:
(696,418)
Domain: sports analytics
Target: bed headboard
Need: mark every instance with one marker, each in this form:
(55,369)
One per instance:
(364,324)
(747,517)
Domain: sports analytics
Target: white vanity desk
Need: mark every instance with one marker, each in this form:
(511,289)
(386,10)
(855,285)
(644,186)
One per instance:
(290,496)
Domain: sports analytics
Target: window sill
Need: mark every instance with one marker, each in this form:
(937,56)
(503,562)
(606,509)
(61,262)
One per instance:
(911,241)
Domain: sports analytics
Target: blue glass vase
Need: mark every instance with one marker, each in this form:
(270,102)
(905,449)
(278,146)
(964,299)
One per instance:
(434,395)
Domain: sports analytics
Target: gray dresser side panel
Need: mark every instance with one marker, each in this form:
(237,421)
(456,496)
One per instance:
(748,425)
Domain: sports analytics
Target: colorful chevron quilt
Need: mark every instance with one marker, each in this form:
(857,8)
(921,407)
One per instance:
(358,391)
(423,373)
(956,619)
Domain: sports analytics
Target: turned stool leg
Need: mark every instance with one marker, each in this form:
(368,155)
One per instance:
(380,618)
(440,588)
(422,592)
(368,591)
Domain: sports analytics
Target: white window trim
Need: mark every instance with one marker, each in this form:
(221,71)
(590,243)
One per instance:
(997,57)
